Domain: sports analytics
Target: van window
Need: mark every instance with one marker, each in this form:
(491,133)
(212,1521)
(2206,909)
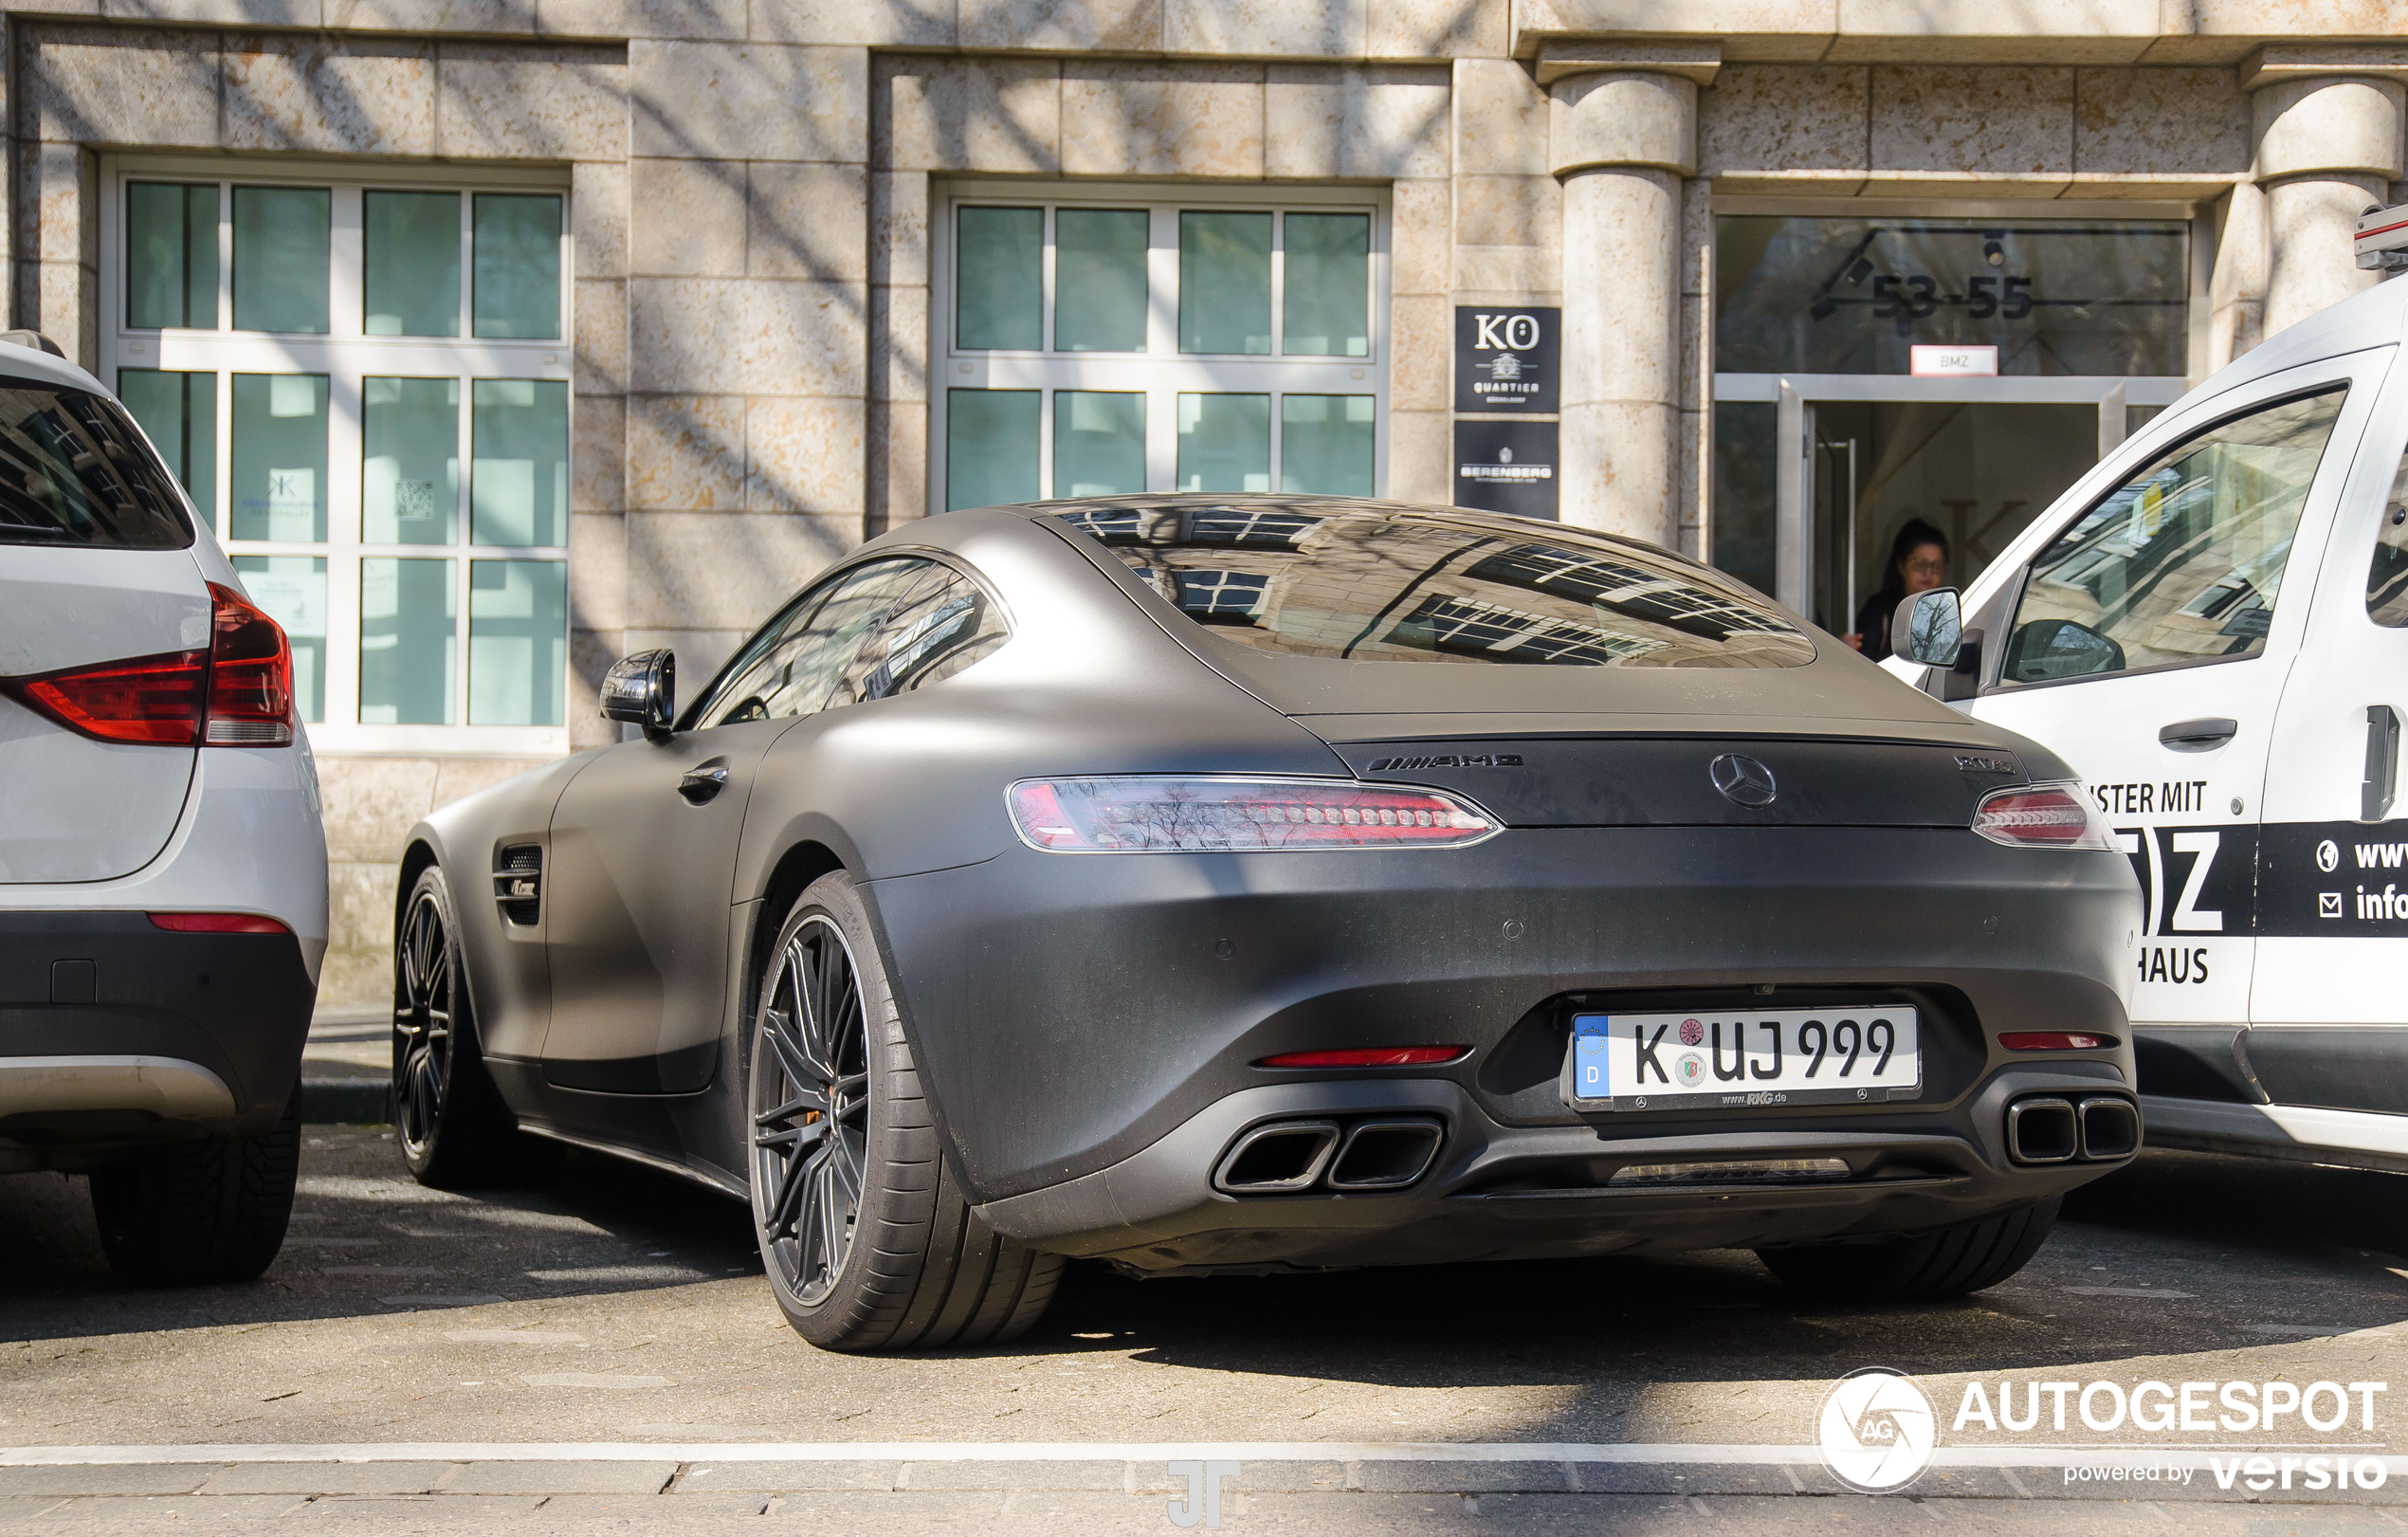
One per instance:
(74,471)
(2181,563)
(2387,575)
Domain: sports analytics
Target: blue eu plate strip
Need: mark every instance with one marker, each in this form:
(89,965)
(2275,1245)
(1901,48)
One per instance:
(1589,1076)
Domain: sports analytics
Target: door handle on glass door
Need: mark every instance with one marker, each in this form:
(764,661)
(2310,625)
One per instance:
(2197,736)
(702,783)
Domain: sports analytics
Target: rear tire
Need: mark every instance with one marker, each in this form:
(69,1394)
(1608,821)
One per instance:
(1917,1267)
(191,1213)
(867,1236)
(453,1128)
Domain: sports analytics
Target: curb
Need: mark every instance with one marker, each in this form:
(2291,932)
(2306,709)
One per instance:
(347,1101)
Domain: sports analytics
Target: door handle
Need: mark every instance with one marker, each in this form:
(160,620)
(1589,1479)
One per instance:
(2197,736)
(2382,763)
(702,783)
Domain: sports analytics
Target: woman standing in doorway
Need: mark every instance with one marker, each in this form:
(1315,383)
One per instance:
(1918,563)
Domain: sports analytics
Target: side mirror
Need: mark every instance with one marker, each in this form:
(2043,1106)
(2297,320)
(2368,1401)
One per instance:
(642,689)
(1928,628)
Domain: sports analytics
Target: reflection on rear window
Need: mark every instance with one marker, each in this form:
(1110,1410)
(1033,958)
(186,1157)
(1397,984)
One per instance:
(73,471)
(1380,582)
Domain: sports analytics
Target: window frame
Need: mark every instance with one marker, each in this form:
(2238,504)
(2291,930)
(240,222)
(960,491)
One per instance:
(1162,373)
(347,354)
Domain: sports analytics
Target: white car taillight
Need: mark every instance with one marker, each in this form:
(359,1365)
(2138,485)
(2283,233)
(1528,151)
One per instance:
(238,693)
(1217,813)
(2054,815)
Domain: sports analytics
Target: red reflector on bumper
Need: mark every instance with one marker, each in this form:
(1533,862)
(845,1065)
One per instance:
(2054,1040)
(1377,1056)
(217,923)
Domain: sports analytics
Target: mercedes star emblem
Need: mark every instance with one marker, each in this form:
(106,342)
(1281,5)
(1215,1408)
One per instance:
(1743,780)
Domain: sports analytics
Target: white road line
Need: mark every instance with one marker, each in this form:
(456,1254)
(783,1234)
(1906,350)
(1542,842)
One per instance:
(1677,1453)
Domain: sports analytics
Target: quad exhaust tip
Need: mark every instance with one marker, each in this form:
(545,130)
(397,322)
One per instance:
(2049,1128)
(1275,1157)
(1384,1155)
(2111,1128)
(1386,1152)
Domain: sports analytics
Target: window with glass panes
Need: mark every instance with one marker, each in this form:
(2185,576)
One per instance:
(1092,344)
(364,386)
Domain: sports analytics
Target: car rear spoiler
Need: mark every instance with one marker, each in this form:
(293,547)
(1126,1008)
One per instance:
(2382,239)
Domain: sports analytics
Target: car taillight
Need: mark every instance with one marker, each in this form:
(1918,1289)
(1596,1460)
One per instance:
(251,685)
(1377,1056)
(156,700)
(2054,1040)
(2040,816)
(238,693)
(217,923)
(1213,814)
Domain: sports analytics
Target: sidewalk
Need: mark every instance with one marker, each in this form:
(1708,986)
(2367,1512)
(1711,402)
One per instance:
(1057,1490)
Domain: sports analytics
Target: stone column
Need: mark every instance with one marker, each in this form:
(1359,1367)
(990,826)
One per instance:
(1621,141)
(2327,145)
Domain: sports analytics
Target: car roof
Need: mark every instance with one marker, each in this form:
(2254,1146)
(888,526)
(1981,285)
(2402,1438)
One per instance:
(1836,693)
(33,366)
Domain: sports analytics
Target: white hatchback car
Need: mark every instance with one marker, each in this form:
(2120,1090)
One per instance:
(162,863)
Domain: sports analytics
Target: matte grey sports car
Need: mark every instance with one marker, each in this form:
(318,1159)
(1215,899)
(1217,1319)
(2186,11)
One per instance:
(1207,884)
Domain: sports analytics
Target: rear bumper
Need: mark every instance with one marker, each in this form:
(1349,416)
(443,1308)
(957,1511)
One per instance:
(1067,1013)
(114,1034)
(1498,1192)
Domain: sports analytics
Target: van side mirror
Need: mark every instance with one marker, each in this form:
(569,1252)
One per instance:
(642,689)
(1928,628)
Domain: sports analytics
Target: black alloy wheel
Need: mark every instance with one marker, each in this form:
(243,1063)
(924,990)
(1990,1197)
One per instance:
(868,1240)
(421,1021)
(811,1110)
(453,1128)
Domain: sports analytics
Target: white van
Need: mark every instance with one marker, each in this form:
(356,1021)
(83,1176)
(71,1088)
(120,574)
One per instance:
(2212,627)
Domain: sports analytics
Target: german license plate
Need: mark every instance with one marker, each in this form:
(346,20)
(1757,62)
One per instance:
(1731,1061)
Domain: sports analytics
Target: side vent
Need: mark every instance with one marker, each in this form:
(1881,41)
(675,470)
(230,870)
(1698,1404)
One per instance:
(518,883)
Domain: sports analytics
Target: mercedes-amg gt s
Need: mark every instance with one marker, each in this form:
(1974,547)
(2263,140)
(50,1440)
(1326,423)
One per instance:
(1274,883)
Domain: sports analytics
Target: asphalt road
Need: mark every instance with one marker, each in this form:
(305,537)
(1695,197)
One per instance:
(597,1349)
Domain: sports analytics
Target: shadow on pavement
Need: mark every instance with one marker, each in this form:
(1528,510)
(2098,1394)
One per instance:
(368,1239)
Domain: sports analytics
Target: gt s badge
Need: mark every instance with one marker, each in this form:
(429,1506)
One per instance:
(1447,761)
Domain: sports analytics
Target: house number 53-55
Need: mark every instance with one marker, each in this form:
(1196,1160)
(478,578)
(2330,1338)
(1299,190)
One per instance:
(1918,294)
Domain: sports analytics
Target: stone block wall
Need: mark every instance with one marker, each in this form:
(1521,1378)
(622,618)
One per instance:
(751,188)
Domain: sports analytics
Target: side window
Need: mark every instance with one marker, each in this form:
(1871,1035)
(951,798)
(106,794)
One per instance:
(793,672)
(2387,575)
(2181,563)
(944,624)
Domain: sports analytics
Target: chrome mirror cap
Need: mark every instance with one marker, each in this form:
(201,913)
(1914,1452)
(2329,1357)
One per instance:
(642,689)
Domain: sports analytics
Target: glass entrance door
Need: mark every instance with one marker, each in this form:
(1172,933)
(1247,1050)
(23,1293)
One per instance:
(1816,477)
(1974,471)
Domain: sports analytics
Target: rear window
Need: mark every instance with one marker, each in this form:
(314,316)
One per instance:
(73,471)
(1386,583)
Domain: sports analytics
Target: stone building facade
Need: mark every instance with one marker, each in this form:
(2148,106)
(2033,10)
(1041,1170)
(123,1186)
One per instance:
(761,210)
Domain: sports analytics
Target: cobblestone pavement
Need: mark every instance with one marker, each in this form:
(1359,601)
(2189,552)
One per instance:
(596,1351)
